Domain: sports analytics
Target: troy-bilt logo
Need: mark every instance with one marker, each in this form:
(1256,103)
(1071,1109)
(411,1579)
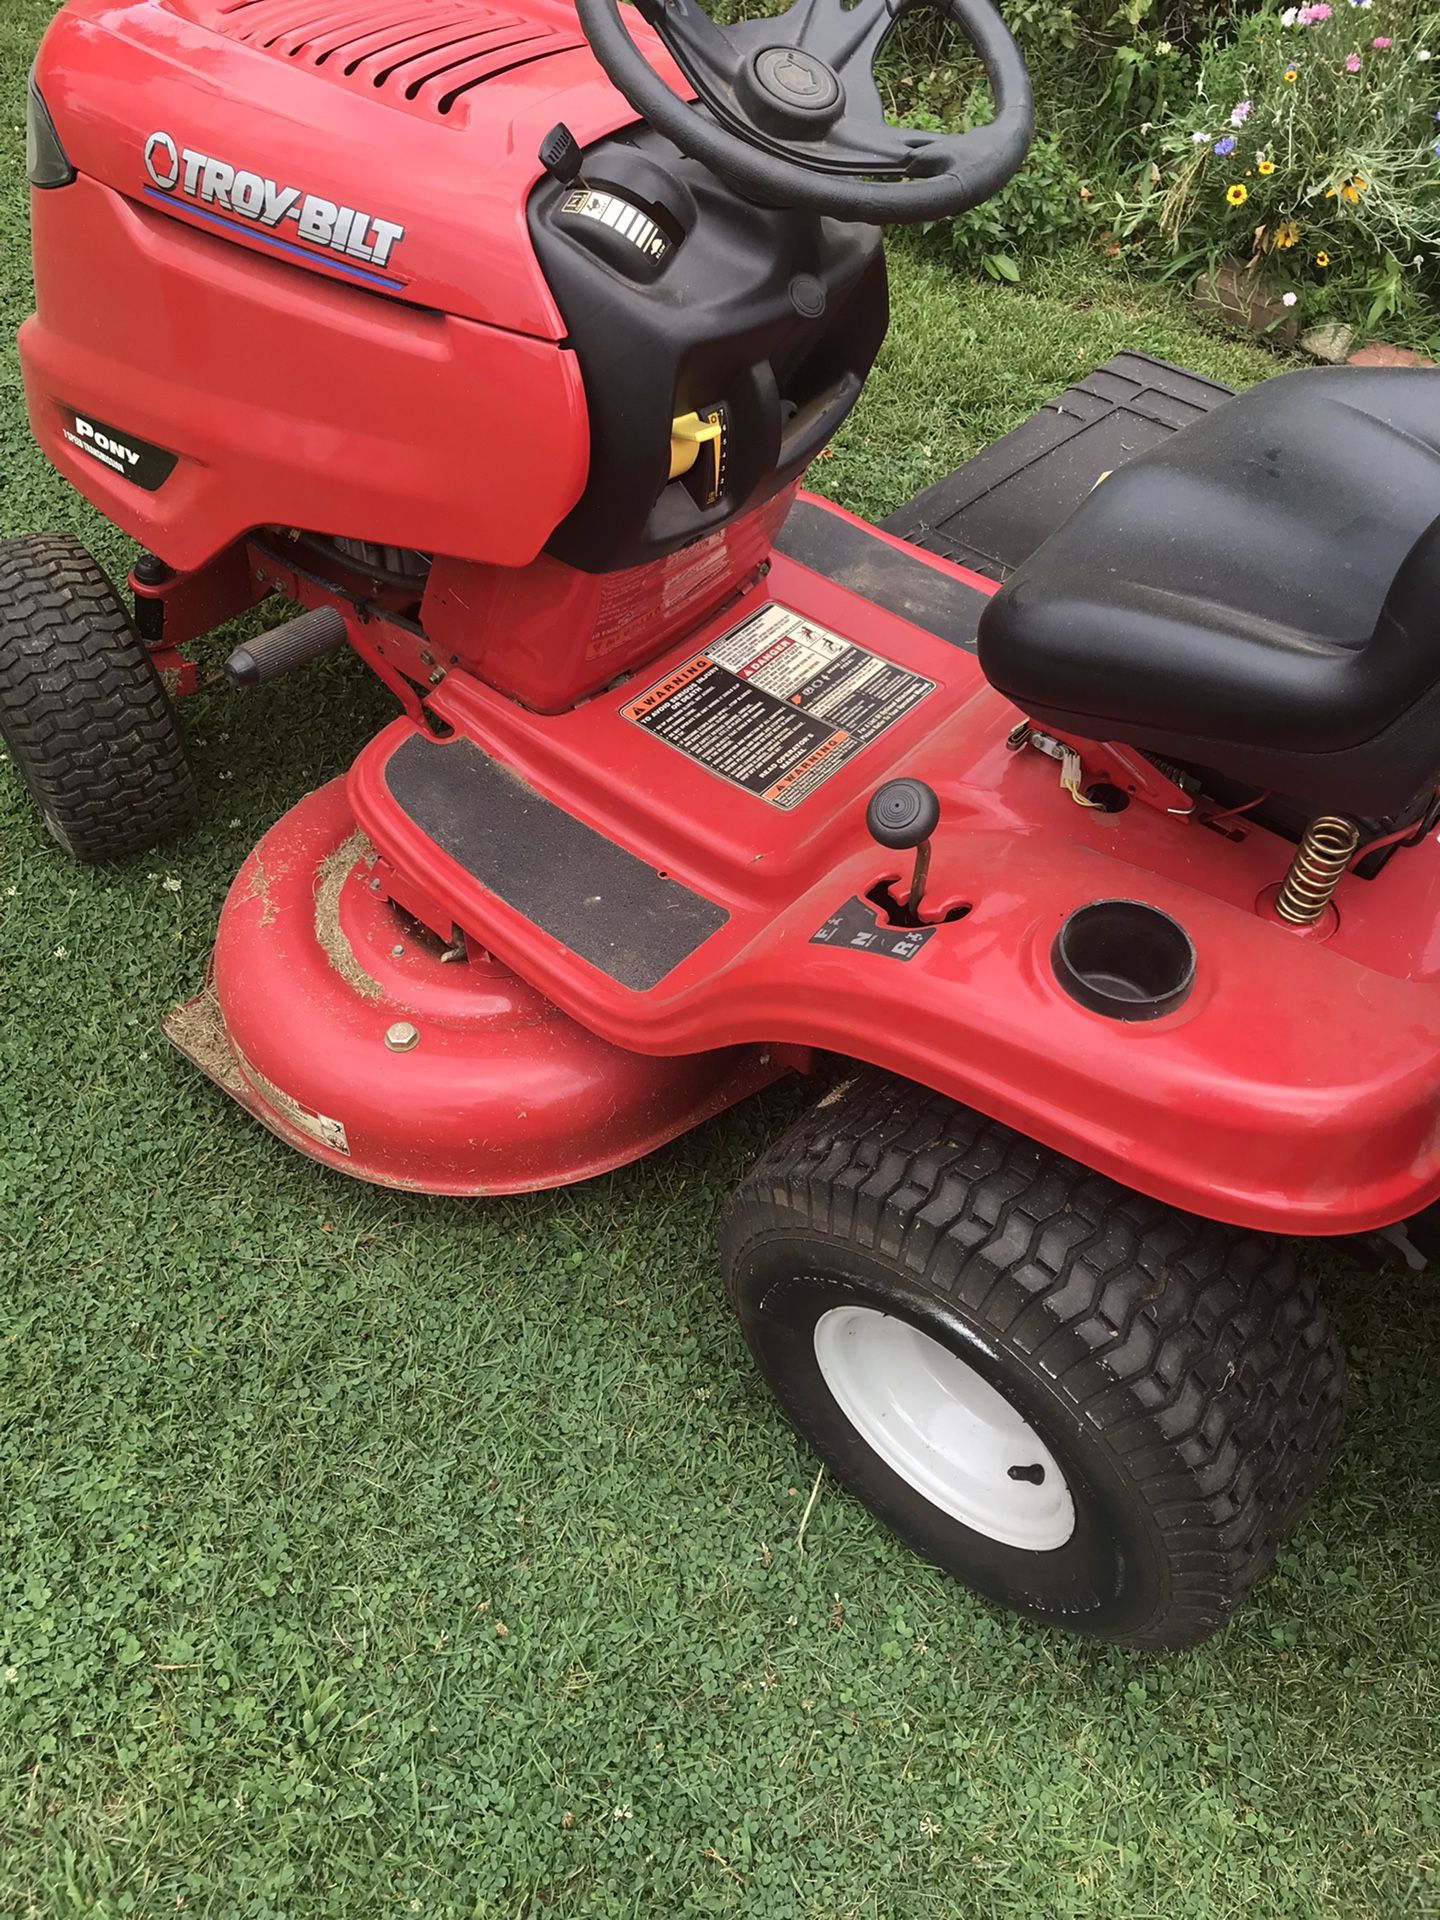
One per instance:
(250,199)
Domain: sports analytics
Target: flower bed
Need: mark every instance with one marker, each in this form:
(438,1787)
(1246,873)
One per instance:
(1310,149)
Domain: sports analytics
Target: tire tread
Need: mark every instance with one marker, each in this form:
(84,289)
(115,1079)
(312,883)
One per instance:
(82,709)
(1220,1388)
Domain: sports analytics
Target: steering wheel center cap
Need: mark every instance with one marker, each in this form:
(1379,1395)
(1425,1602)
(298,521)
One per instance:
(797,80)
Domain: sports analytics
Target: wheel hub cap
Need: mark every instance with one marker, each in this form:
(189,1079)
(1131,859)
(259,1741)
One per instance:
(944,1429)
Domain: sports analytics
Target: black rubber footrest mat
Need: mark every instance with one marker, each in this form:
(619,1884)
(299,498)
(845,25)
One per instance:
(595,898)
(857,558)
(992,513)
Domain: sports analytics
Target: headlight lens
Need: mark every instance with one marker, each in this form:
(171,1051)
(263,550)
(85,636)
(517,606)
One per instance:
(45,160)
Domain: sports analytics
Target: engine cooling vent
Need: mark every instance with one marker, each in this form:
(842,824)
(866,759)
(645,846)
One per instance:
(426,57)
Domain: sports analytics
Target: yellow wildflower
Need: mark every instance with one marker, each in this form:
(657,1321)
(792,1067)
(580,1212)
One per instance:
(1265,166)
(1287,234)
(1237,195)
(1322,259)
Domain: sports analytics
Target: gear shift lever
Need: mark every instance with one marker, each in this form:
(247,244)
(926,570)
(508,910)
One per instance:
(902,815)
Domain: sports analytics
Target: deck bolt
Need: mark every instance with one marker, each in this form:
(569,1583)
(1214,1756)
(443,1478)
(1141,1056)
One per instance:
(402,1037)
(437,676)
(396,950)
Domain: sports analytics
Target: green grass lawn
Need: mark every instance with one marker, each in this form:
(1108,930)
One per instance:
(367,1555)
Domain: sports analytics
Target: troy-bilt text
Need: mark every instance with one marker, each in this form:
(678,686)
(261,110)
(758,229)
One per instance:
(251,197)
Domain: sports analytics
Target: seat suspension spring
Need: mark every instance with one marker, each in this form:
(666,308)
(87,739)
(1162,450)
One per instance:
(1320,859)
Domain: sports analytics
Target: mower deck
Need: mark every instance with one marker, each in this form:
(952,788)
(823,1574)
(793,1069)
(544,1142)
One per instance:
(355,1036)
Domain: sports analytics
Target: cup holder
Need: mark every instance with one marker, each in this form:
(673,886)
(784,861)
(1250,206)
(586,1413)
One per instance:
(1124,959)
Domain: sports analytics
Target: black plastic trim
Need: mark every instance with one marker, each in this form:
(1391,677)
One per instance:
(614,910)
(991,514)
(858,558)
(47,165)
(772,318)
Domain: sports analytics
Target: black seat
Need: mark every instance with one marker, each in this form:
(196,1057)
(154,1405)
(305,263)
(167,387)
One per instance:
(1259,596)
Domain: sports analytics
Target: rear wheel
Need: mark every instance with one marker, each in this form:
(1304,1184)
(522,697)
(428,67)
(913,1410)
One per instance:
(82,710)
(1089,1407)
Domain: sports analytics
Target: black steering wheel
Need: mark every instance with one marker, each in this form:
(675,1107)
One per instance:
(795,116)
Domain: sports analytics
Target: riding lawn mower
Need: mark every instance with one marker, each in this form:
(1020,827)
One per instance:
(1075,828)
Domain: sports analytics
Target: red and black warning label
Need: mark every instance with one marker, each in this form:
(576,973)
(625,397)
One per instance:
(777,704)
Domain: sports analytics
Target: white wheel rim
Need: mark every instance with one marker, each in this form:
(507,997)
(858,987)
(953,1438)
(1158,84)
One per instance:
(943,1428)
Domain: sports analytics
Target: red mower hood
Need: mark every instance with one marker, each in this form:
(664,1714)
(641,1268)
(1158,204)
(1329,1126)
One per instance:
(389,144)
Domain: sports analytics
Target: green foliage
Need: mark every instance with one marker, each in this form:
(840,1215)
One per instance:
(1044,205)
(1102,65)
(1310,149)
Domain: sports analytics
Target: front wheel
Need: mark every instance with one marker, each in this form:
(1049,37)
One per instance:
(1092,1409)
(82,710)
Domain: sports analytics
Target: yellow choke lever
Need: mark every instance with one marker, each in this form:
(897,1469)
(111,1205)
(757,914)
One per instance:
(689,432)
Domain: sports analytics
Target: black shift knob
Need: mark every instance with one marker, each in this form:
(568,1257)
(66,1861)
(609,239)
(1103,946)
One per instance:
(902,813)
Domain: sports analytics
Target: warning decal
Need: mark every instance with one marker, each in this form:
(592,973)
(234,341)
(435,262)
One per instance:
(330,1133)
(777,704)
